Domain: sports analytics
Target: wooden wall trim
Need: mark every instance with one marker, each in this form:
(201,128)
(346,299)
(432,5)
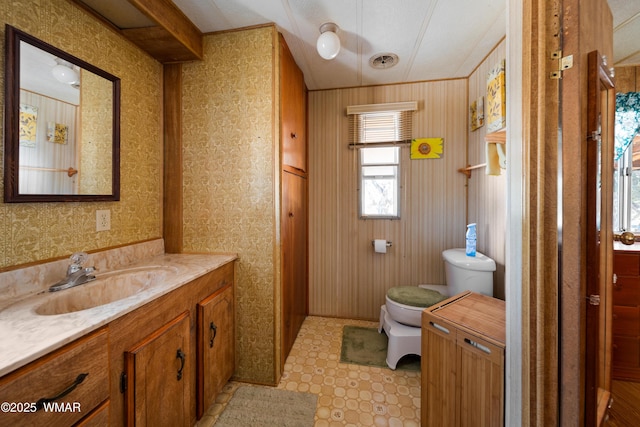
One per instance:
(539,243)
(172,170)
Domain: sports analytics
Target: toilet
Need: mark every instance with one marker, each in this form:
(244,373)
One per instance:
(401,315)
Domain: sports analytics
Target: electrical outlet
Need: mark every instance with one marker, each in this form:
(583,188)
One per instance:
(103,220)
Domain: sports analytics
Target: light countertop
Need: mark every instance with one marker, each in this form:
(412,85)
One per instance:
(26,335)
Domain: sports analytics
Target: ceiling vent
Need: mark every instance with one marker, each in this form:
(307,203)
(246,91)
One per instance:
(382,61)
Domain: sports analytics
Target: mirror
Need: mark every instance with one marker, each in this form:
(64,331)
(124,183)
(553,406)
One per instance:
(62,125)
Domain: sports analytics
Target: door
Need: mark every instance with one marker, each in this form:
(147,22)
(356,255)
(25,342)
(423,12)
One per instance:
(294,258)
(293,107)
(215,346)
(157,375)
(599,256)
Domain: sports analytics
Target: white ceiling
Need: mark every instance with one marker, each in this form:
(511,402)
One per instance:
(434,39)
(626,32)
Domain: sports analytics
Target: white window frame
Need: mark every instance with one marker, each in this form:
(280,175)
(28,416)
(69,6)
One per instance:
(623,201)
(394,164)
(373,126)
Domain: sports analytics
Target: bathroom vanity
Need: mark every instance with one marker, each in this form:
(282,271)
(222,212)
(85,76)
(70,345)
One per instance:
(159,356)
(463,350)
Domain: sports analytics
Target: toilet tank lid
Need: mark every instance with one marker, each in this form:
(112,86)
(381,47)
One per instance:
(459,258)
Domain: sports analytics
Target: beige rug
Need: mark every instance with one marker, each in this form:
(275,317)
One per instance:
(258,406)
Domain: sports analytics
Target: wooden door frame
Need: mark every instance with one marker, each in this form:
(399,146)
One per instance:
(599,242)
(551,294)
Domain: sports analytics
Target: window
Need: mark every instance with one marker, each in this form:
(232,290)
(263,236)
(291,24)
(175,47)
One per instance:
(380,123)
(379,182)
(626,189)
(626,180)
(375,129)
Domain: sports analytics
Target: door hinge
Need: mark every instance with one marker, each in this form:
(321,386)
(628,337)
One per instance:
(564,63)
(123,382)
(594,299)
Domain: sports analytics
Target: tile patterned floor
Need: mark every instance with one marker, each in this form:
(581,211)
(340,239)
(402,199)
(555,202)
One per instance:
(348,395)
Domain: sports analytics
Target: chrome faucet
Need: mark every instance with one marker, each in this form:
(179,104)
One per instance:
(76,273)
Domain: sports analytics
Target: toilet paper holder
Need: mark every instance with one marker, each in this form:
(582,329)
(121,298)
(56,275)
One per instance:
(373,243)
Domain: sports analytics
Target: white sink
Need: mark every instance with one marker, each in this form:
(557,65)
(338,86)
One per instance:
(107,288)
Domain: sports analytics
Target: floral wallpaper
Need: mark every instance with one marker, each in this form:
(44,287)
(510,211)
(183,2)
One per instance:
(230,179)
(38,231)
(96,155)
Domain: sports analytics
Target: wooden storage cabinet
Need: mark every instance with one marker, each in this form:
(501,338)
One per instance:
(294,201)
(292,111)
(80,369)
(157,375)
(294,257)
(215,345)
(463,347)
(626,315)
(163,326)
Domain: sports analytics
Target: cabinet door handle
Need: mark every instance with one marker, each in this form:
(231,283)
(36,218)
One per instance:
(478,345)
(294,135)
(40,403)
(180,355)
(213,331)
(440,328)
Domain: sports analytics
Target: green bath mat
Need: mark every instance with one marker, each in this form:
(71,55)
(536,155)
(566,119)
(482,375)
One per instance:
(365,346)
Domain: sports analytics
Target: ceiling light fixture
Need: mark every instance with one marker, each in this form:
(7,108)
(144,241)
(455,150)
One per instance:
(328,44)
(65,74)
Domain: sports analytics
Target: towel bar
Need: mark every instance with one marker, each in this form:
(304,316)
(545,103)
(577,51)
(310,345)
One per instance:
(468,169)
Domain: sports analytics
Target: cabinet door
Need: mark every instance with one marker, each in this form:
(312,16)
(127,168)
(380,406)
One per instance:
(157,372)
(216,346)
(439,365)
(292,111)
(294,258)
(626,291)
(481,379)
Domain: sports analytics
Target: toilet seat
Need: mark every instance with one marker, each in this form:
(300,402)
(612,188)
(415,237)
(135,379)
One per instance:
(405,303)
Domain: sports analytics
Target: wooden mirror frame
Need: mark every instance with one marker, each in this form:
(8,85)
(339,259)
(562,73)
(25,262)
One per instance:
(12,194)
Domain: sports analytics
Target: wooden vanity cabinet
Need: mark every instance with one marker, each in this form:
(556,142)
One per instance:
(167,323)
(99,417)
(463,350)
(626,315)
(140,369)
(215,345)
(71,381)
(157,375)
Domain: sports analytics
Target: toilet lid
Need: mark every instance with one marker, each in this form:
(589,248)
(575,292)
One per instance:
(415,296)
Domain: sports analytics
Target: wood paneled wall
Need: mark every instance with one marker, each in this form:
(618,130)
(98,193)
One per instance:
(627,79)
(487,193)
(346,277)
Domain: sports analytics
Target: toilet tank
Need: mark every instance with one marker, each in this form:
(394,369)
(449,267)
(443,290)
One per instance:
(464,273)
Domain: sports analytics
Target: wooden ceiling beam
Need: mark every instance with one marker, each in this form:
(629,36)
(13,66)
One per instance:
(175,39)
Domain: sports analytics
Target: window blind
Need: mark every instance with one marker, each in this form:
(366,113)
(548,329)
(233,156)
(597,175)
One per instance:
(380,123)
